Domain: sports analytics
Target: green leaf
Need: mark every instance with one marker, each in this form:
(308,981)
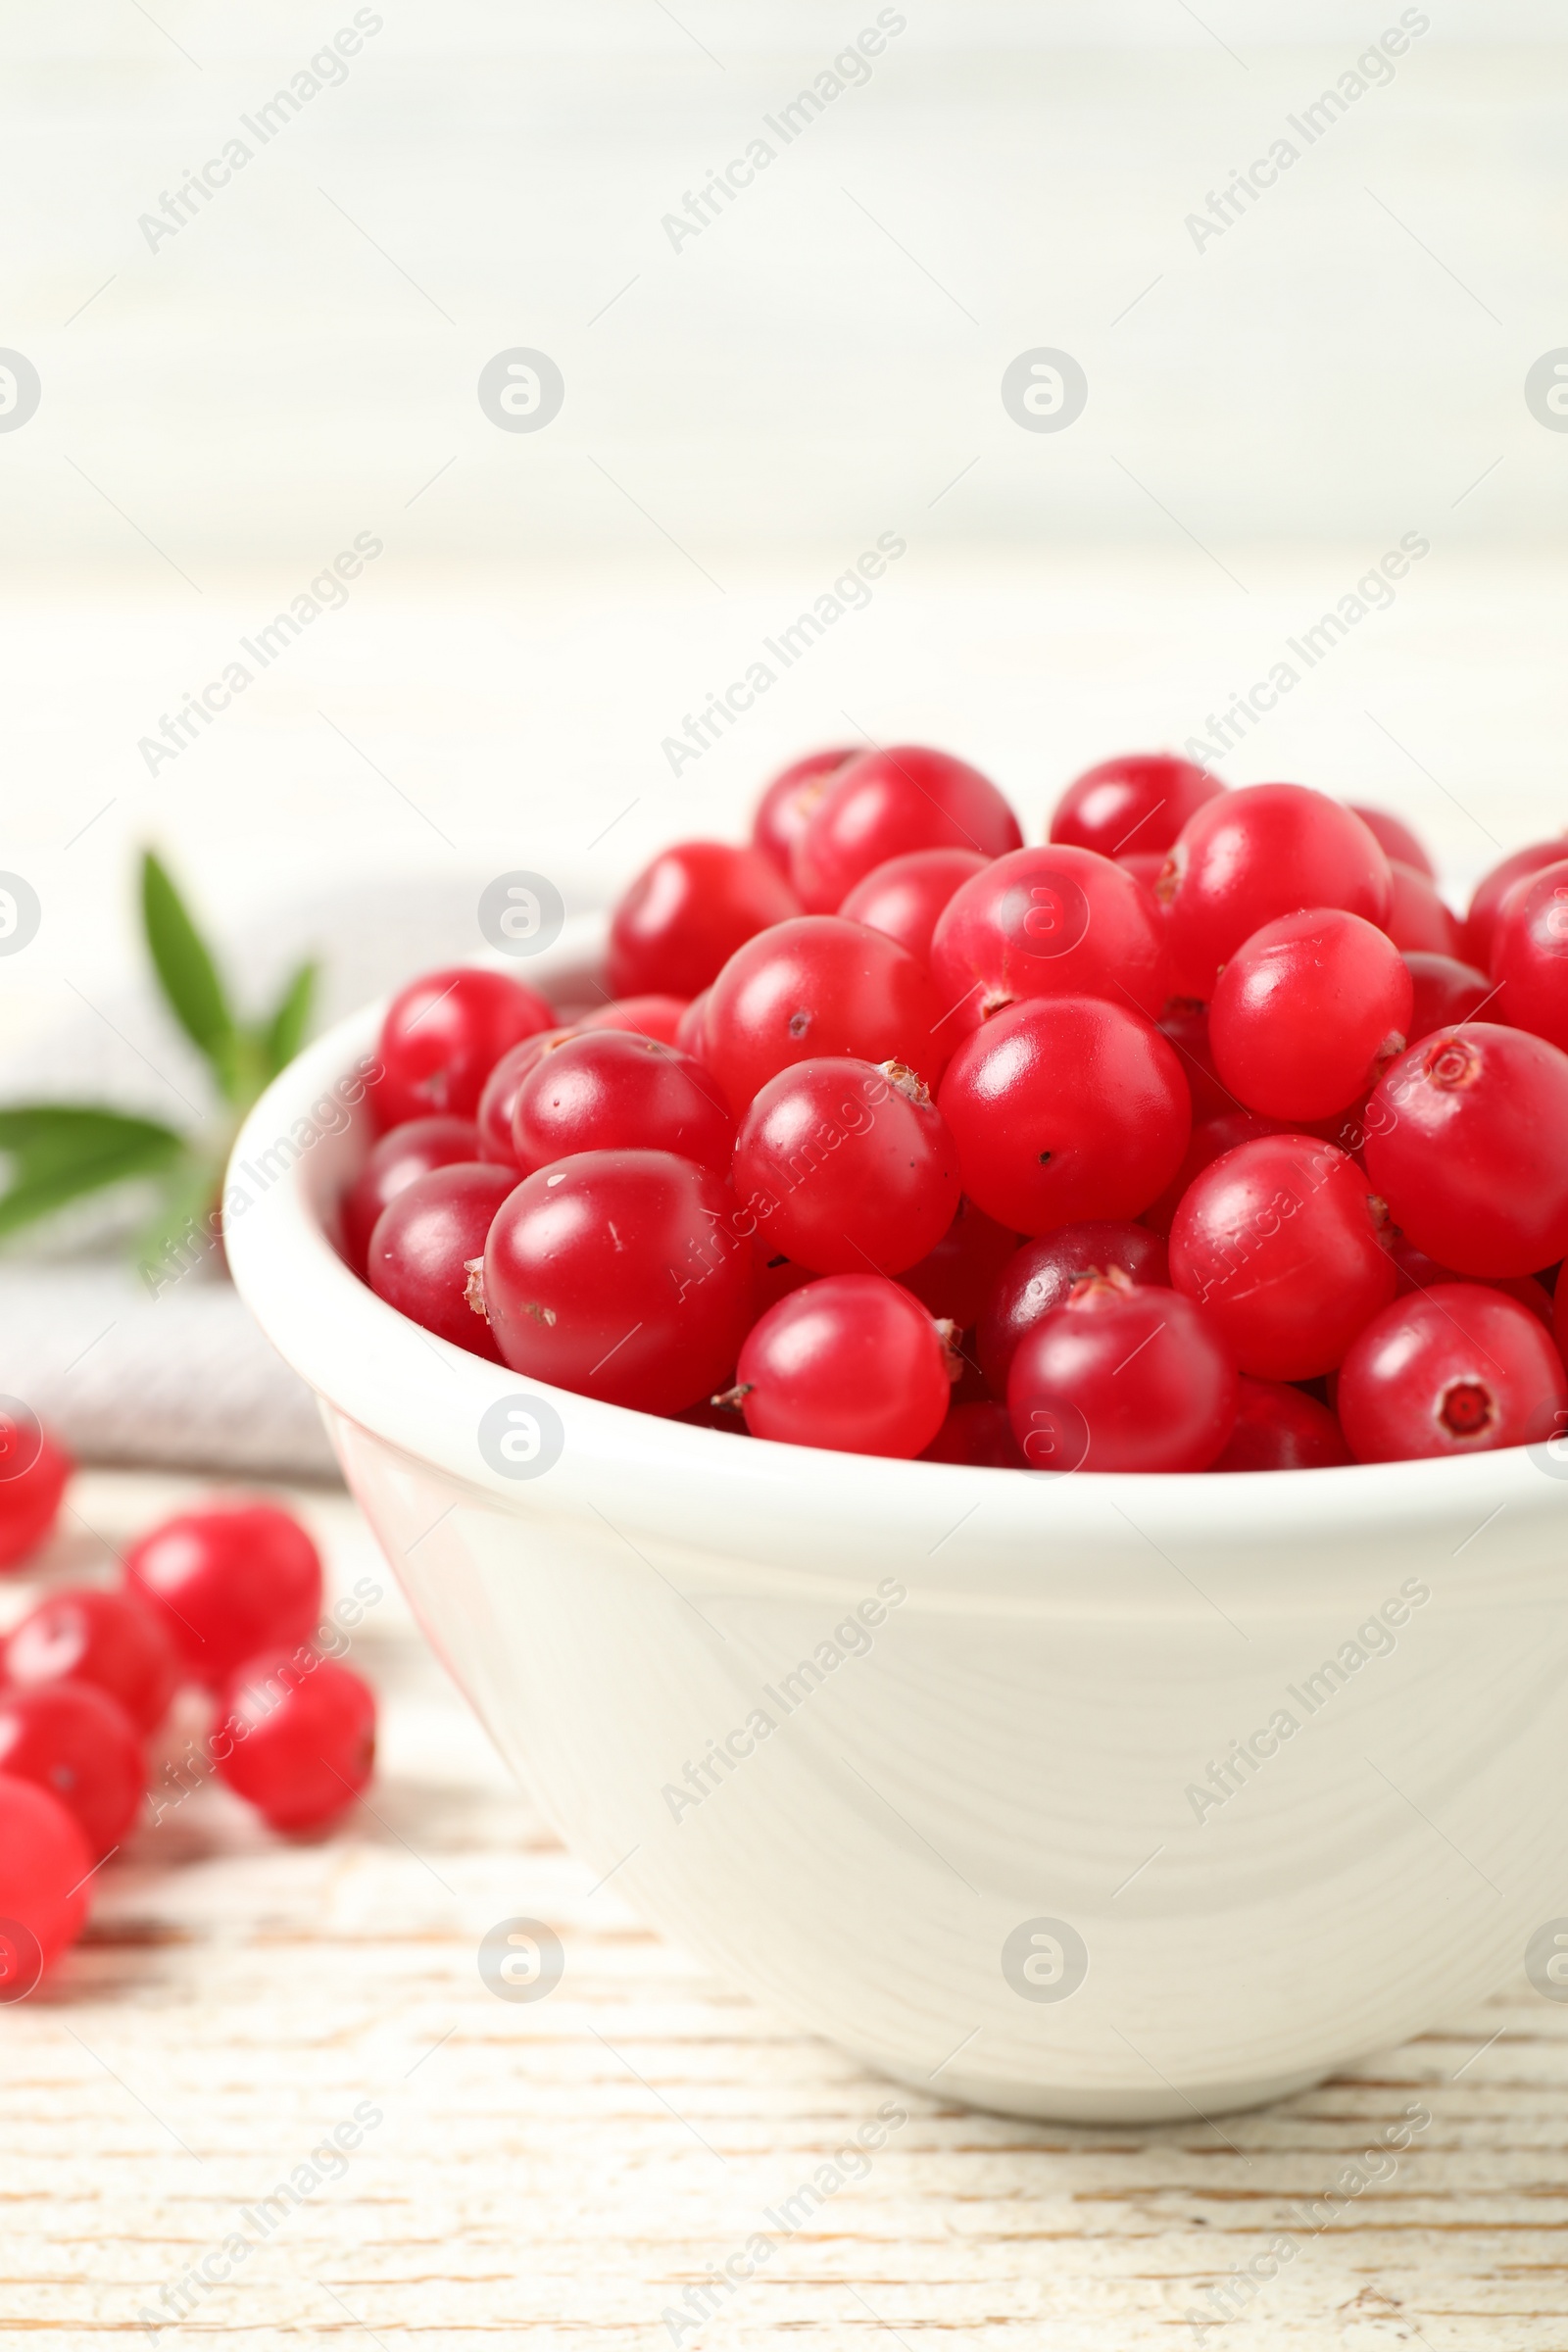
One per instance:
(60,1150)
(284,1033)
(186,971)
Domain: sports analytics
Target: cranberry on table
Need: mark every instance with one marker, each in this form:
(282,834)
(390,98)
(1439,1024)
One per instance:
(1278,1243)
(1134,806)
(76,1741)
(904,897)
(1418,919)
(1279,1427)
(1049,922)
(1121,1377)
(1040,1276)
(228,1582)
(609,1089)
(977,1433)
(296,1738)
(820,984)
(884,802)
(401,1155)
(1308,1012)
(1446,992)
(1530,955)
(687,913)
(1467,1141)
(1475,935)
(45,1870)
(442,1037)
(1395,839)
(789,800)
(500,1097)
(852,1362)
(1186,1023)
(1248,857)
(1458,1369)
(956,1279)
(425,1244)
(846,1166)
(35,1472)
(621,1275)
(85,1634)
(644,1016)
(1065,1107)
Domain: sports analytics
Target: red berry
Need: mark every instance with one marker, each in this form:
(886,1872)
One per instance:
(442,1037)
(75,1741)
(691,1028)
(644,1016)
(853,1362)
(883,804)
(1145,868)
(44,1872)
(1185,1024)
(227,1583)
(34,1475)
(402,1154)
(1065,1107)
(1459,1369)
(1308,1012)
(1394,839)
(846,1167)
(817,986)
(684,916)
(788,802)
(1467,1141)
(1135,806)
(1530,953)
(609,1091)
(1415,1271)
(979,1433)
(1281,1428)
(904,897)
(1475,939)
(956,1279)
(1052,922)
(1250,856)
(1040,1276)
(1121,1378)
(1278,1243)
(619,1274)
(1417,917)
(1207,1141)
(110,1640)
(1445,992)
(296,1738)
(425,1244)
(500,1097)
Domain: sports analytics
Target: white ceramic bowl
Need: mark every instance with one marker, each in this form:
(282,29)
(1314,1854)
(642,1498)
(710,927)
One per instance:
(922,1753)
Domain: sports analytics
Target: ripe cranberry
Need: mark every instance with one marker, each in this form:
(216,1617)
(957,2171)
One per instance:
(1040,1276)
(904,897)
(1250,856)
(1530,953)
(401,1155)
(442,1037)
(817,986)
(1186,1023)
(1308,1012)
(684,916)
(956,1279)
(1459,1369)
(1280,1428)
(1417,917)
(1415,1271)
(75,1741)
(228,1582)
(1065,1107)
(296,1738)
(44,1870)
(1048,923)
(34,1475)
(846,1167)
(691,1028)
(619,1274)
(1475,939)
(852,1362)
(1447,992)
(643,1016)
(787,804)
(882,803)
(110,1640)
(500,1097)
(1121,1378)
(1468,1143)
(1207,1141)
(1137,804)
(979,1433)
(609,1091)
(425,1244)
(1394,839)
(1278,1243)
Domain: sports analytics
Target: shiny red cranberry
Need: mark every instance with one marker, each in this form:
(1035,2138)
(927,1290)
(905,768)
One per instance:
(35,1472)
(816,986)
(684,916)
(1135,805)
(401,1155)
(644,1016)
(1530,953)
(846,1167)
(1279,1427)
(852,1362)
(84,1634)
(1308,1012)
(610,1090)
(1458,1369)
(1040,1276)
(427,1242)
(296,1738)
(787,804)
(904,897)
(1208,1141)
(227,1581)
(1250,857)
(45,1870)
(75,1741)
(442,1037)
(1445,992)
(1050,922)
(1121,1378)
(500,1098)
(884,802)
(1475,938)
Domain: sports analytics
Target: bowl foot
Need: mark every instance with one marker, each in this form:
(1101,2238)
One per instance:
(1082,2104)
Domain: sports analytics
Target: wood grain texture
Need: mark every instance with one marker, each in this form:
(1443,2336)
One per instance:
(565,2171)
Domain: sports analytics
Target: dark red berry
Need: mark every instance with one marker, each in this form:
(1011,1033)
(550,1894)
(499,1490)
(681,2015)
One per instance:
(955,1280)
(846,1167)
(1458,1369)
(296,1738)
(229,1581)
(1121,1378)
(980,1434)
(401,1155)
(1041,1277)
(1308,1012)
(45,1870)
(1209,1139)
(1395,839)
(819,986)
(853,1362)
(1052,922)
(1445,992)
(1250,857)
(500,1098)
(1279,1427)
(904,897)
(1415,1271)
(427,1243)
(1530,953)
(1418,919)
(610,1090)
(883,804)
(1475,936)
(1185,1024)
(789,800)
(1132,806)
(442,1037)
(75,1741)
(684,916)
(83,1633)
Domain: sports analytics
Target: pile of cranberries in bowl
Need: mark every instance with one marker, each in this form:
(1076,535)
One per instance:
(1202,1137)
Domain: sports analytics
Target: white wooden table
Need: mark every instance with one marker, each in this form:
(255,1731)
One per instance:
(563,2172)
